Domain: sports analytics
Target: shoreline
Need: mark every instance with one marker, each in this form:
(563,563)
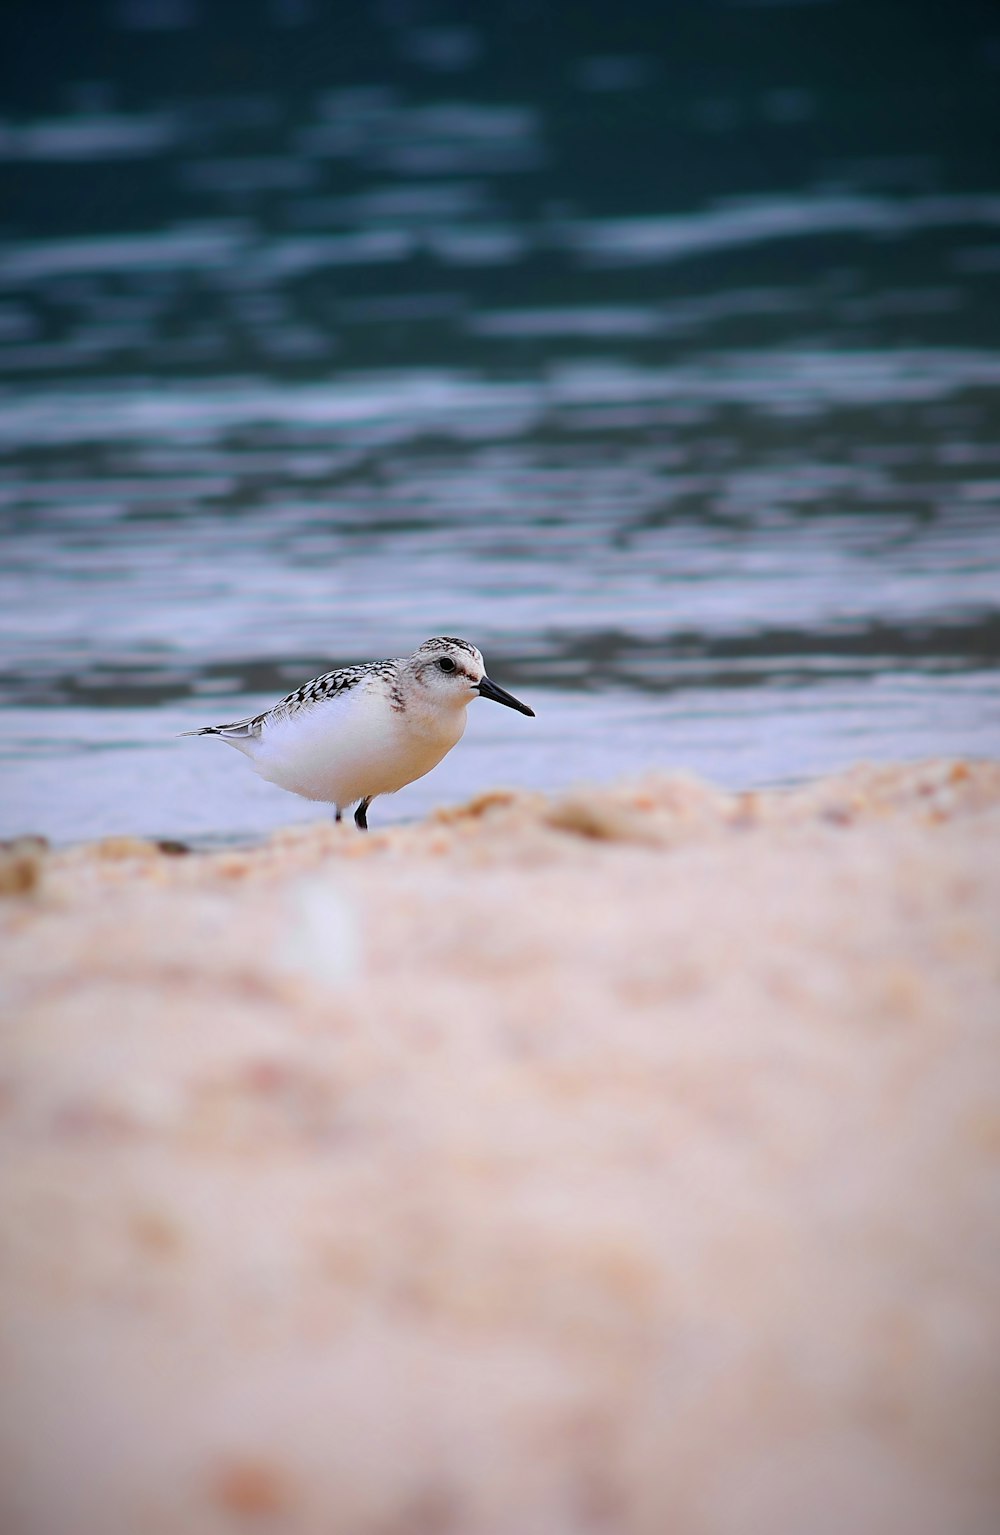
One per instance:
(855,779)
(619,1159)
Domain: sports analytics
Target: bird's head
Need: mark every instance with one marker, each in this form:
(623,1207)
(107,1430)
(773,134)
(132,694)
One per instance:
(453,672)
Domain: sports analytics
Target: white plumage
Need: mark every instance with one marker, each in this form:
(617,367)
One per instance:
(352,734)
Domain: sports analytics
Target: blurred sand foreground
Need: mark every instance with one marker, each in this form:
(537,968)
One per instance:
(623,1162)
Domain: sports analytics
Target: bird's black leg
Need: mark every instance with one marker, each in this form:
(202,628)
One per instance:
(361,814)
(336,813)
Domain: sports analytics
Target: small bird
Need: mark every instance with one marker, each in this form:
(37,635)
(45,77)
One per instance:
(352,734)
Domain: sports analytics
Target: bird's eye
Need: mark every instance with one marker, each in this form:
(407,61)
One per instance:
(446,664)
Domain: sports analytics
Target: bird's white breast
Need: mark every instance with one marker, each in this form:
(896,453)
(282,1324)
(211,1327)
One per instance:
(357,744)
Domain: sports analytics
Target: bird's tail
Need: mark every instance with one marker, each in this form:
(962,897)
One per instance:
(242,730)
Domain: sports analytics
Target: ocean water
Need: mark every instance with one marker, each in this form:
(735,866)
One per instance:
(659,355)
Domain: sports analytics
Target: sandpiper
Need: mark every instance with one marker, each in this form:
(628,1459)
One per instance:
(352,734)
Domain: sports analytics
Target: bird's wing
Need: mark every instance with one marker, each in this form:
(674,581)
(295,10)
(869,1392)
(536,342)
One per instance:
(327,685)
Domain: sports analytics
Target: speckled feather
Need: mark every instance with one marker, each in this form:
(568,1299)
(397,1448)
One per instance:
(315,691)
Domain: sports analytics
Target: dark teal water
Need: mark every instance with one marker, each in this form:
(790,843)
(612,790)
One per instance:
(657,352)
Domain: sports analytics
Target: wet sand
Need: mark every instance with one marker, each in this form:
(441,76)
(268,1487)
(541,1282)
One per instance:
(620,1162)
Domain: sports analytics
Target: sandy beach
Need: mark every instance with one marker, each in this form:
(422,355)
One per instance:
(624,1161)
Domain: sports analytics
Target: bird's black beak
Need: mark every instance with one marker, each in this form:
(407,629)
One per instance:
(489,689)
